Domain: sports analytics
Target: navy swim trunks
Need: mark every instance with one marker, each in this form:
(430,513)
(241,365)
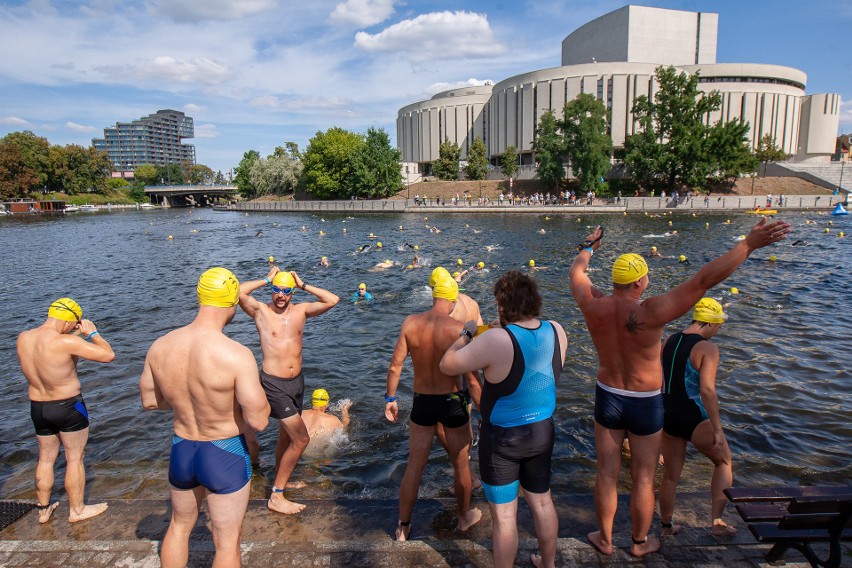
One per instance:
(640,413)
(221,466)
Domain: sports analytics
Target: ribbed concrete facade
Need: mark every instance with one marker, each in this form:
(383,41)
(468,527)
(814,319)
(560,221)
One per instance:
(614,58)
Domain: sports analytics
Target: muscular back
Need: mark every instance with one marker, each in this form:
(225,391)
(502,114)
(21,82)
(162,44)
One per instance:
(627,343)
(48,365)
(466,309)
(428,336)
(197,372)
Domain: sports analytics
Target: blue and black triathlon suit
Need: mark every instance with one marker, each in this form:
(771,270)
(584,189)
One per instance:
(684,410)
(516,441)
(221,466)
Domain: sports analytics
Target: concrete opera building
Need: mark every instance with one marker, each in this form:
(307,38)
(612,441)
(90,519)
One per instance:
(614,57)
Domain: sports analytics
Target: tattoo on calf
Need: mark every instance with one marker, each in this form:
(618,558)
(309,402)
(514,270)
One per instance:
(633,325)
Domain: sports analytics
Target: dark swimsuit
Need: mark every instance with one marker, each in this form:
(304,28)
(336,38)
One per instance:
(286,396)
(684,410)
(448,409)
(55,416)
(221,466)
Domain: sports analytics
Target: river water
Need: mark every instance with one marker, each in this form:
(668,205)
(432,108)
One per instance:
(784,381)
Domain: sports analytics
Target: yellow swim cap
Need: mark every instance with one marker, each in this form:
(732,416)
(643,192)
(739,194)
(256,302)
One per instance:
(65,309)
(681,258)
(319,398)
(629,268)
(324,258)
(456,273)
(459,261)
(284,280)
(734,291)
(437,274)
(532,263)
(362,286)
(379,244)
(708,310)
(773,258)
(270,259)
(480,264)
(654,249)
(218,287)
(446,288)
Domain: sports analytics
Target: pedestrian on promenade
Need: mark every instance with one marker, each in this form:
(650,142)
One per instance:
(211,383)
(626,333)
(48,355)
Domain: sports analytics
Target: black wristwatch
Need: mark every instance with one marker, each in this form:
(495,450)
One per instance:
(464,332)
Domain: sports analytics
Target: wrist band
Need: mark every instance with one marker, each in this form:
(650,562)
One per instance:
(91,335)
(390,398)
(303,285)
(591,250)
(267,280)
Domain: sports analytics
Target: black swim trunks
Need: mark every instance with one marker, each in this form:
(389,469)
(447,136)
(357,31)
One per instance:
(448,409)
(286,396)
(518,455)
(55,416)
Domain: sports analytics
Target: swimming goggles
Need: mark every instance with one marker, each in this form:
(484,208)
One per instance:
(285,291)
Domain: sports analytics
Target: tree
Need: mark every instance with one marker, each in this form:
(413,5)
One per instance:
(76,169)
(767,151)
(585,126)
(276,175)
(327,162)
(549,149)
(137,191)
(17,179)
(199,174)
(446,167)
(34,153)
(729,148)
(477,160)
(242,174)
(673,144)
(509,162)
(374,165)
(147,174)
(171,174)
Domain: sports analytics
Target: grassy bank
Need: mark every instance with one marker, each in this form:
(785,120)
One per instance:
(115,197)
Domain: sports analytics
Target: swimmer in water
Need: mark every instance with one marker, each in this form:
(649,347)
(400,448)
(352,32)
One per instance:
(655,254)
(319,423)
(383,265)
(364,248)
(361,294)
(323,262)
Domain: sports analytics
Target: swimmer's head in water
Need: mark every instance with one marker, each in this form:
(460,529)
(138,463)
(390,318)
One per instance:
(629,268)
(532,263)
(480,265)
(653,249)
(708,310)
(65,309)
(437,274)
(284,280)
(362,286)
(319,398)
(219,288)
(459,261)
(456,274)
(447,288)
(682,258)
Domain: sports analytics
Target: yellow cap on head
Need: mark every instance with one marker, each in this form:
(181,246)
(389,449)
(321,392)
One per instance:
(532,263)
(708,310)
(459,261)
(379,244)
(629,268)
(284,280)
(456,273)
(416,247)
(218,287)
(773,258)
(362,286)
(65,309)
(654,249)
(480,264)
(734,291)
(681,258)
(319,398)
(324,258)
(436,275)
(446,288)
(270,259)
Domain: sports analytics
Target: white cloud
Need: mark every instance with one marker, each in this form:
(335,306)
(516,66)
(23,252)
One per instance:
(440,87)
(206,131)
(362,13)
(14,121)
(438,34)
(73,126)
(193,71)
(223,10)
(299,103)
(193,108)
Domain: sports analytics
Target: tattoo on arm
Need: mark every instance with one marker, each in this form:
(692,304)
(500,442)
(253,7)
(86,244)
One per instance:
(633,325)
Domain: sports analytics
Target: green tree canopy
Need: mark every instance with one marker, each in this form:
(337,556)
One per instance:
(374,166)
(477,160)
(585,126)
(276,175)
(328,164)
(78,170)
(34,154)
(147,174)
(17,179)
(446,167)
(199,174)
(171,174)
(768,151)
(242,174)
(549,149)
(729,150)
(509,162)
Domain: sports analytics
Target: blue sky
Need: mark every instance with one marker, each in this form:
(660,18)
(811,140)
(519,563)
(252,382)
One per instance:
(257,73)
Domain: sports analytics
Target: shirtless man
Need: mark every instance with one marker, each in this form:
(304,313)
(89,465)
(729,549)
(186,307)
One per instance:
(319,423)
(627,335)
(281,372)
(48,356)
(437,398)
(211,383)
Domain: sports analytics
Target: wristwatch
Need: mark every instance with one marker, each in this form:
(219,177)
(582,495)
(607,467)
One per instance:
(464,332)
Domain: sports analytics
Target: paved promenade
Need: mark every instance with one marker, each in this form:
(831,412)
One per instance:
(352,532)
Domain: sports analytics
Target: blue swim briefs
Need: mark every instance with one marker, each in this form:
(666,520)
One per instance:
(221,466)
(638,413)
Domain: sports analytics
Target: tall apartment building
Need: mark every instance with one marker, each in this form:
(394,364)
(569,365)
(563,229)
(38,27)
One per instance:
(154,139)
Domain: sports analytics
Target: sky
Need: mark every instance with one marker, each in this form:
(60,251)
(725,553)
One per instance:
(255,74)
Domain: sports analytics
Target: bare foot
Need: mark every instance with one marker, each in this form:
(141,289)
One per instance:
(536,560)
(469,519)
(295,485)
(651,544)
(402,531)
(723,530)
(283,506)
(47,512)
(595,540)
(670,531)
(88,512)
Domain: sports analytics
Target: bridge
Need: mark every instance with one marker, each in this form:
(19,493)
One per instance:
(190,195)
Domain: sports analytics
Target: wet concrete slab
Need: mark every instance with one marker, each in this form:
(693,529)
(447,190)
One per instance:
(359,533)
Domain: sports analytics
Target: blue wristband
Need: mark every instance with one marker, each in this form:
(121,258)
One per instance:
(91,335)
(268,281)
(390,398)
(591,250)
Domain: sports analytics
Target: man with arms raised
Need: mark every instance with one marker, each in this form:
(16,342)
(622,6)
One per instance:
(211,383)
(280,324)
(437,399)
(627,333)
(48,355)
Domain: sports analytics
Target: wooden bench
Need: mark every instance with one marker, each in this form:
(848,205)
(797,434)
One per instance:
(796,517)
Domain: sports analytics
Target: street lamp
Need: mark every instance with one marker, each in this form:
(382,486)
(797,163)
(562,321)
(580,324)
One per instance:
(407,186)
(840,184)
